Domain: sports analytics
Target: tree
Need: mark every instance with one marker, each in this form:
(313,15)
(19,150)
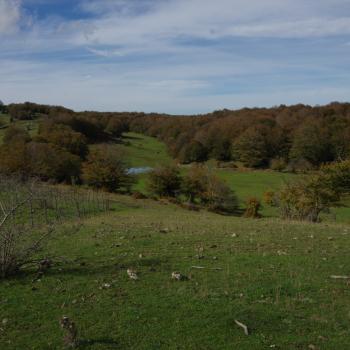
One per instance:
(25,111)
(165,181)
(312,143)
(340,140)
(193,152)
(251,148)
(116,127)
(49,162)
(64,137)
(14,159)
(16,134)
(2,107)
(105,169)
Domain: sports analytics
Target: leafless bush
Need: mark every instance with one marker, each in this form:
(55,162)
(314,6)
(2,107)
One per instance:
(18,244)
(29,213)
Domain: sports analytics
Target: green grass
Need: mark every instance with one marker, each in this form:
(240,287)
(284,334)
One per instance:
(273,276)
(144,151)
(254,184)
(141,150)
(31,126)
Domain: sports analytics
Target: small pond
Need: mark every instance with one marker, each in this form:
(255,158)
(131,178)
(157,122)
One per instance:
(140,170)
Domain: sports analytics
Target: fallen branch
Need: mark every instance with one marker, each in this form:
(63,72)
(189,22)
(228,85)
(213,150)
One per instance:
(243,326)
(210,268)
(340,277)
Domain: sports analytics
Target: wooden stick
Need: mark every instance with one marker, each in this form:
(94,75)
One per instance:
(243,326)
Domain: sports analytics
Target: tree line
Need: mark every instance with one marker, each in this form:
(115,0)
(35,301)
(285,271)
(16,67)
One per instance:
(68,147)
(298,137)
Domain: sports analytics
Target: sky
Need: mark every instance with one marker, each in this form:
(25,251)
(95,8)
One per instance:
(174,56)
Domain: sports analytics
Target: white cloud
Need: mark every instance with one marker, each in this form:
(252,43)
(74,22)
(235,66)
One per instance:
(10,14)
(105,53)
(218,19)
(149,57)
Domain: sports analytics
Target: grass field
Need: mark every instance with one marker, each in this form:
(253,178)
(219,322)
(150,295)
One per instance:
(273,276)
(30,125)
(144,151)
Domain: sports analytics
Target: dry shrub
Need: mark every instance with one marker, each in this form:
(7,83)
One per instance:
(19,240)
(253,208)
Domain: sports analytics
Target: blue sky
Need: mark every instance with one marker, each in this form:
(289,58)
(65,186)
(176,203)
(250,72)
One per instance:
(174,56)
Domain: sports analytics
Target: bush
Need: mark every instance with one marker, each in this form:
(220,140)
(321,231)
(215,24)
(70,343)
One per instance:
(253,207)
(218,197)
(195,183)
(308,198)
(278,164)
(49,162)
(165,181)
(305,200)
(64,137)
(299,165)
(138,195)
(105,169)
(14,159)
(16,134)
(19,241)
(269,198)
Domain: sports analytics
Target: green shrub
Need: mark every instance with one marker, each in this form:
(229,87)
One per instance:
(106,169)
(278,164)
(218,196)
(16,134)
(165,181)
(306,199)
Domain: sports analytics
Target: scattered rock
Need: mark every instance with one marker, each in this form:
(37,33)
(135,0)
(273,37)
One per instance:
(280,252)
(71,335)
(132,274)
(178,276)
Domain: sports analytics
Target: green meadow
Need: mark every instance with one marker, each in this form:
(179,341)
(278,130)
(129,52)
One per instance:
(273,276)
(144,151)
(287,282)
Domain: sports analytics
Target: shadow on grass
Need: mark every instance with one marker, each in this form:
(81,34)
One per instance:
(129,137)
(85,268)
(87,343)
(237,213)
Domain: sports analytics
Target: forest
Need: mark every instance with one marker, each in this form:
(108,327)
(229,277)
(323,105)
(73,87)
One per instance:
(292,138)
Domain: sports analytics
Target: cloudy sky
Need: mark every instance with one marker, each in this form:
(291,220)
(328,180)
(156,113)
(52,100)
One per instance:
(175,56)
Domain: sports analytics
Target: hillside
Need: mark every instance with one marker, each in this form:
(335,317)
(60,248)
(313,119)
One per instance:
(286,281)
(273,276)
